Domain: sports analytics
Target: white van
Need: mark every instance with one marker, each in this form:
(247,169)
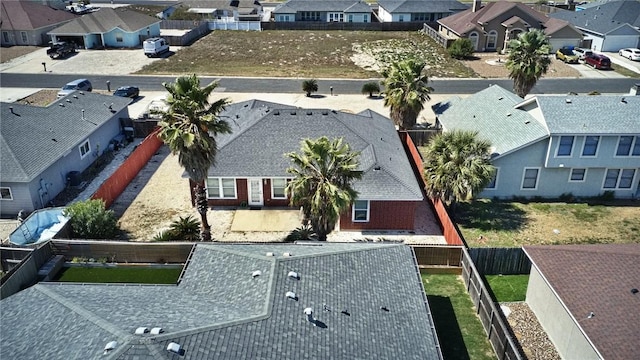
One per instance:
(154,47)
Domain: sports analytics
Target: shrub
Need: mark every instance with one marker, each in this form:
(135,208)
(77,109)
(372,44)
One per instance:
(163,236)
(185,228)
(90,219)
(309,86)
(304,232)
(461,49)
(370,88)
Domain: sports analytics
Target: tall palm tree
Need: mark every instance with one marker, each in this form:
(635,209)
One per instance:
(324,171)
(456,166)
(528,60)
(189,128)
(406,91)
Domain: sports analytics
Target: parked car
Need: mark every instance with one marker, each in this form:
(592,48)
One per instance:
(582,53)
(127,91)
(61,49)
(630,53)
(79,84)
(567,55)
(598,61)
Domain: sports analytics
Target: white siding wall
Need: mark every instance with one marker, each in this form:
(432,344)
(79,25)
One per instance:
(384,15)
(617,42)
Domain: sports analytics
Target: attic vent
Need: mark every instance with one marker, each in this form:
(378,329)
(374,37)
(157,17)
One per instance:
(237,116)
(309,113)
(568,101)
(277,112)
(256,273)
(61,104)
(508,114)
(175,348)
(377,168)
(333,111)
(501,97)
(269,254)
(623,100)
(384,308)
(75,96)
(325,112)
(141,330)
(527,122)
(294,275)
(156,331)
(293,112)
(69,101)
(110,346)
(286,254)
(246,105)
(291,295)
(634,291)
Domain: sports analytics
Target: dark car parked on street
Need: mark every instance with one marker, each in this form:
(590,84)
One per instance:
(598,61)
(127,91)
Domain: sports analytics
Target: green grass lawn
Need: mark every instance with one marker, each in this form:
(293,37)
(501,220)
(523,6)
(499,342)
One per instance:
(508,288)
(450,305)
(120,274)
(487,223)
(624,71)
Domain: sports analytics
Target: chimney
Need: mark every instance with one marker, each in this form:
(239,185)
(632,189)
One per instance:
(635,90)
(476,5)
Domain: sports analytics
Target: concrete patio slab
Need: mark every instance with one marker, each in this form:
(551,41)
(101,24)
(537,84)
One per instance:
(266,220)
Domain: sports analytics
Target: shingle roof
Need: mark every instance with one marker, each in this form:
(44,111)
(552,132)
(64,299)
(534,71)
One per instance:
(219,311)
(422,6)
(466,20)
(600,281)
(29,15)
(263,132)
(491,113)
(607,114)
(32,137)
(222,4)
(604,17)
(293,6)
(105,20)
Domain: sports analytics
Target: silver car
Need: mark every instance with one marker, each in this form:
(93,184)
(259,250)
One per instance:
(582,53)
(79,84)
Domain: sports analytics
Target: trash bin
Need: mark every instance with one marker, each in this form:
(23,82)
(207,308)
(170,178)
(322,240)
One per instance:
(73,178)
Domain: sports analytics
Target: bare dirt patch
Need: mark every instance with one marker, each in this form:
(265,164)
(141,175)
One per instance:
(492,65)
(9,53)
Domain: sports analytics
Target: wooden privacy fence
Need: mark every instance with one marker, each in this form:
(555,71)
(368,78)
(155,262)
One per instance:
(496,261)
(430,255)
(123,252)
(25,273)
(347,26)
(491,317)
(118,181)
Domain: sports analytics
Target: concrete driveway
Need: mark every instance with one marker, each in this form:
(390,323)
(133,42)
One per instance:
(619,60)
(587,71)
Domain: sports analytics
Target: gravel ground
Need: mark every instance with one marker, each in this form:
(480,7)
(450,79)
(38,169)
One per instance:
(530,334)
(488,66)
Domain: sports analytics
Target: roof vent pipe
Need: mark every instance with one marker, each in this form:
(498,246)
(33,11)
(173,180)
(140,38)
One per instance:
(82,114)
(256,273)
(110,346)
(11,108)
(291,295)
(293,274)
(309,313)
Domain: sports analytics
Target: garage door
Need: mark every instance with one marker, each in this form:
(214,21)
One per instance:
(615,43)
(560,43)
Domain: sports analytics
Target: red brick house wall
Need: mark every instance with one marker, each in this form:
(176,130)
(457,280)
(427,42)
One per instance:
(384,215)
(242,196)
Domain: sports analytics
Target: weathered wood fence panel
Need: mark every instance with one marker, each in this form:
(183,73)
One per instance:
(123,252)
(429,255)
(25,273)
(346,26)
(496,261)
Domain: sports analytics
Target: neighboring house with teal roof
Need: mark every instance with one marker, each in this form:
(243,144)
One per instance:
(323,11)
(549,145)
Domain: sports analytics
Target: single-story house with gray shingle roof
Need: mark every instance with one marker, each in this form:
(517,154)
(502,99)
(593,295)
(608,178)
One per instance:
(27,22)
(550,145)
(238,10)
(108,27)
(417,10)
(367,302)
(251,171)
(591,311)
(324,11)
(610,26)
(40,146)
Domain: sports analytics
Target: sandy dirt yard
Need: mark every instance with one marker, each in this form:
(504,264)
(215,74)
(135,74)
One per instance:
(492,65)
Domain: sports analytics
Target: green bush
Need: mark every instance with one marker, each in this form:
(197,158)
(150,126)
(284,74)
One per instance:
(302,233)
(186,228)
(90,219)
(461,49)
(310,86)
(370,88)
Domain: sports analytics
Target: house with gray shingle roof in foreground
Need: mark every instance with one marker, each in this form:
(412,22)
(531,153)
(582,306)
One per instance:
(587,298)
(26,23)
(40,146)
(550,145)
(108,27)
(237,302)
(251,166)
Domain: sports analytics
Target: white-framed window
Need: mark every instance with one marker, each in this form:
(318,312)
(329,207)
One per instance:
(278,186)
(360,212)
(336,17)
(492,40)
(119,37)
(578,175)
(494,181)
(618,178)
(5,193)
(590,147)
(310,16)
(84,148)
(565,146)
(474,39)
(25,38)
(530,178)
(221,188)
(628,145)
(5,37)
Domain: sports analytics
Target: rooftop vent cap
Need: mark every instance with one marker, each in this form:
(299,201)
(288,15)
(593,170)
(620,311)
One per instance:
(291,295)
(508,114)
(61,104)
(270,254)
(67,100)
(293,274)
(175,348)
(256,273)
(286,254)
(75,96)
(527,122)
(309,313)
(277,112)
(623,100)
(568,101)
(110,346)
(325,112)
(377,168)
(634,291)
(141,330)
(293,112)
(156,331)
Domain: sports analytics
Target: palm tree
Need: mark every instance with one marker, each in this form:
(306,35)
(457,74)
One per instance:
(370,88)
(324,171)
(189,128)
(406,91)
(309,86)
(457,165)
(528,60)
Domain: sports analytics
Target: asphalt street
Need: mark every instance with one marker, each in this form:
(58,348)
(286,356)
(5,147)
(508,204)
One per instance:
(293,85)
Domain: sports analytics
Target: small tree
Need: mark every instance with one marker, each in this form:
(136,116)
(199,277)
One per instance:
(370,88)
(461,49)
(90,219)
(309,86)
